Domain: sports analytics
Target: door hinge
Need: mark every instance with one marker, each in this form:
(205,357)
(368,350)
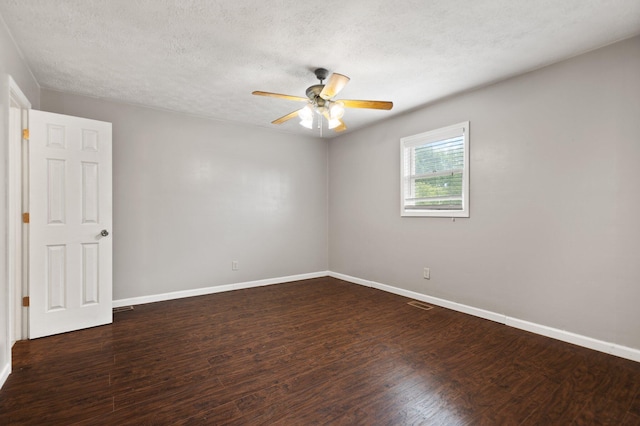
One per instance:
(25,301)
(25,217)
(25,134)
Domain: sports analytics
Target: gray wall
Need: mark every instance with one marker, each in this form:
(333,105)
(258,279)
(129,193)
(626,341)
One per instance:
(553,236)
(192,195)
(11,64)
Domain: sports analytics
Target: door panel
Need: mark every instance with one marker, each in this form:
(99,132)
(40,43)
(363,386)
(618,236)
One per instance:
(70,271)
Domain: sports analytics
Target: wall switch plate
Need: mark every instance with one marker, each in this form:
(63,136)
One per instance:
(234,265)
(427,274)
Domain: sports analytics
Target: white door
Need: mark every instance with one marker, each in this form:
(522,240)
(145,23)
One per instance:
(70,243)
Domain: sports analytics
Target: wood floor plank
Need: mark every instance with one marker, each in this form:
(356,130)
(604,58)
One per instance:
(320,351)
(630,420)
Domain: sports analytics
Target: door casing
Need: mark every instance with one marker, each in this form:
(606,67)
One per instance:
(17,185)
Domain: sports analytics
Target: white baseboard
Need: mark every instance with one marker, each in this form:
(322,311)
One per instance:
(423,297)
(565,336)
(215,289)
(6,370)
(576,339)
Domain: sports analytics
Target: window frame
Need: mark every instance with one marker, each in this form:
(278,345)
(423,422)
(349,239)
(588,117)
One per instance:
(426,138)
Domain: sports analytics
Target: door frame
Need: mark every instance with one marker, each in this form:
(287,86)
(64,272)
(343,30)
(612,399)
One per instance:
(17,242)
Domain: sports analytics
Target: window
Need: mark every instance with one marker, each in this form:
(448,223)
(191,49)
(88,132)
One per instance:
(435,172)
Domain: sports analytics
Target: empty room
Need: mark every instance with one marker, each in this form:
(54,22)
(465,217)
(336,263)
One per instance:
(365,212)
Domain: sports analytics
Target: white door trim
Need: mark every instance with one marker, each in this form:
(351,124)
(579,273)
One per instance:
(16,243)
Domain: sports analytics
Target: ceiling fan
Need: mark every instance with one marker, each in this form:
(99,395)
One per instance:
(320,103)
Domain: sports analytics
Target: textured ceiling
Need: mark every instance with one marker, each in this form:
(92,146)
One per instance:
(205,57)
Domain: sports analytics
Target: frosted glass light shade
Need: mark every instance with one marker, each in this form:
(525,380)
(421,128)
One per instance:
(336,110)
(306,113)
(334,122)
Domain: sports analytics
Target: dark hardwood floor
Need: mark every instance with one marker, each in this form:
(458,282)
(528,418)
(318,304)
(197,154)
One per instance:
(320,351)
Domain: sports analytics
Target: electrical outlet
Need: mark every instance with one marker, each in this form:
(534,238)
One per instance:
(427,274)
(234,265)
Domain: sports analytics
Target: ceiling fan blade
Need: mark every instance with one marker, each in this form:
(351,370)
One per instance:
(286,117)
(280,95)
(335,84)
(350,103)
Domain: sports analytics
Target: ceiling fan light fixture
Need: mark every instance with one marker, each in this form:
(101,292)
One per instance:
(306,113)
(336,110)
(307,123)
(334,122)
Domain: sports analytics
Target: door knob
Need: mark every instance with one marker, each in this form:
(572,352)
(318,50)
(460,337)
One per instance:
(104,233)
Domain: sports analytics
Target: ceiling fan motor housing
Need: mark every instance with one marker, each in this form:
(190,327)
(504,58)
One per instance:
(313,92)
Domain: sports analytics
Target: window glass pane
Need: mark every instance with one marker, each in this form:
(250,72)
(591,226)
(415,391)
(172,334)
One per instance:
(439,186)
(438,156)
